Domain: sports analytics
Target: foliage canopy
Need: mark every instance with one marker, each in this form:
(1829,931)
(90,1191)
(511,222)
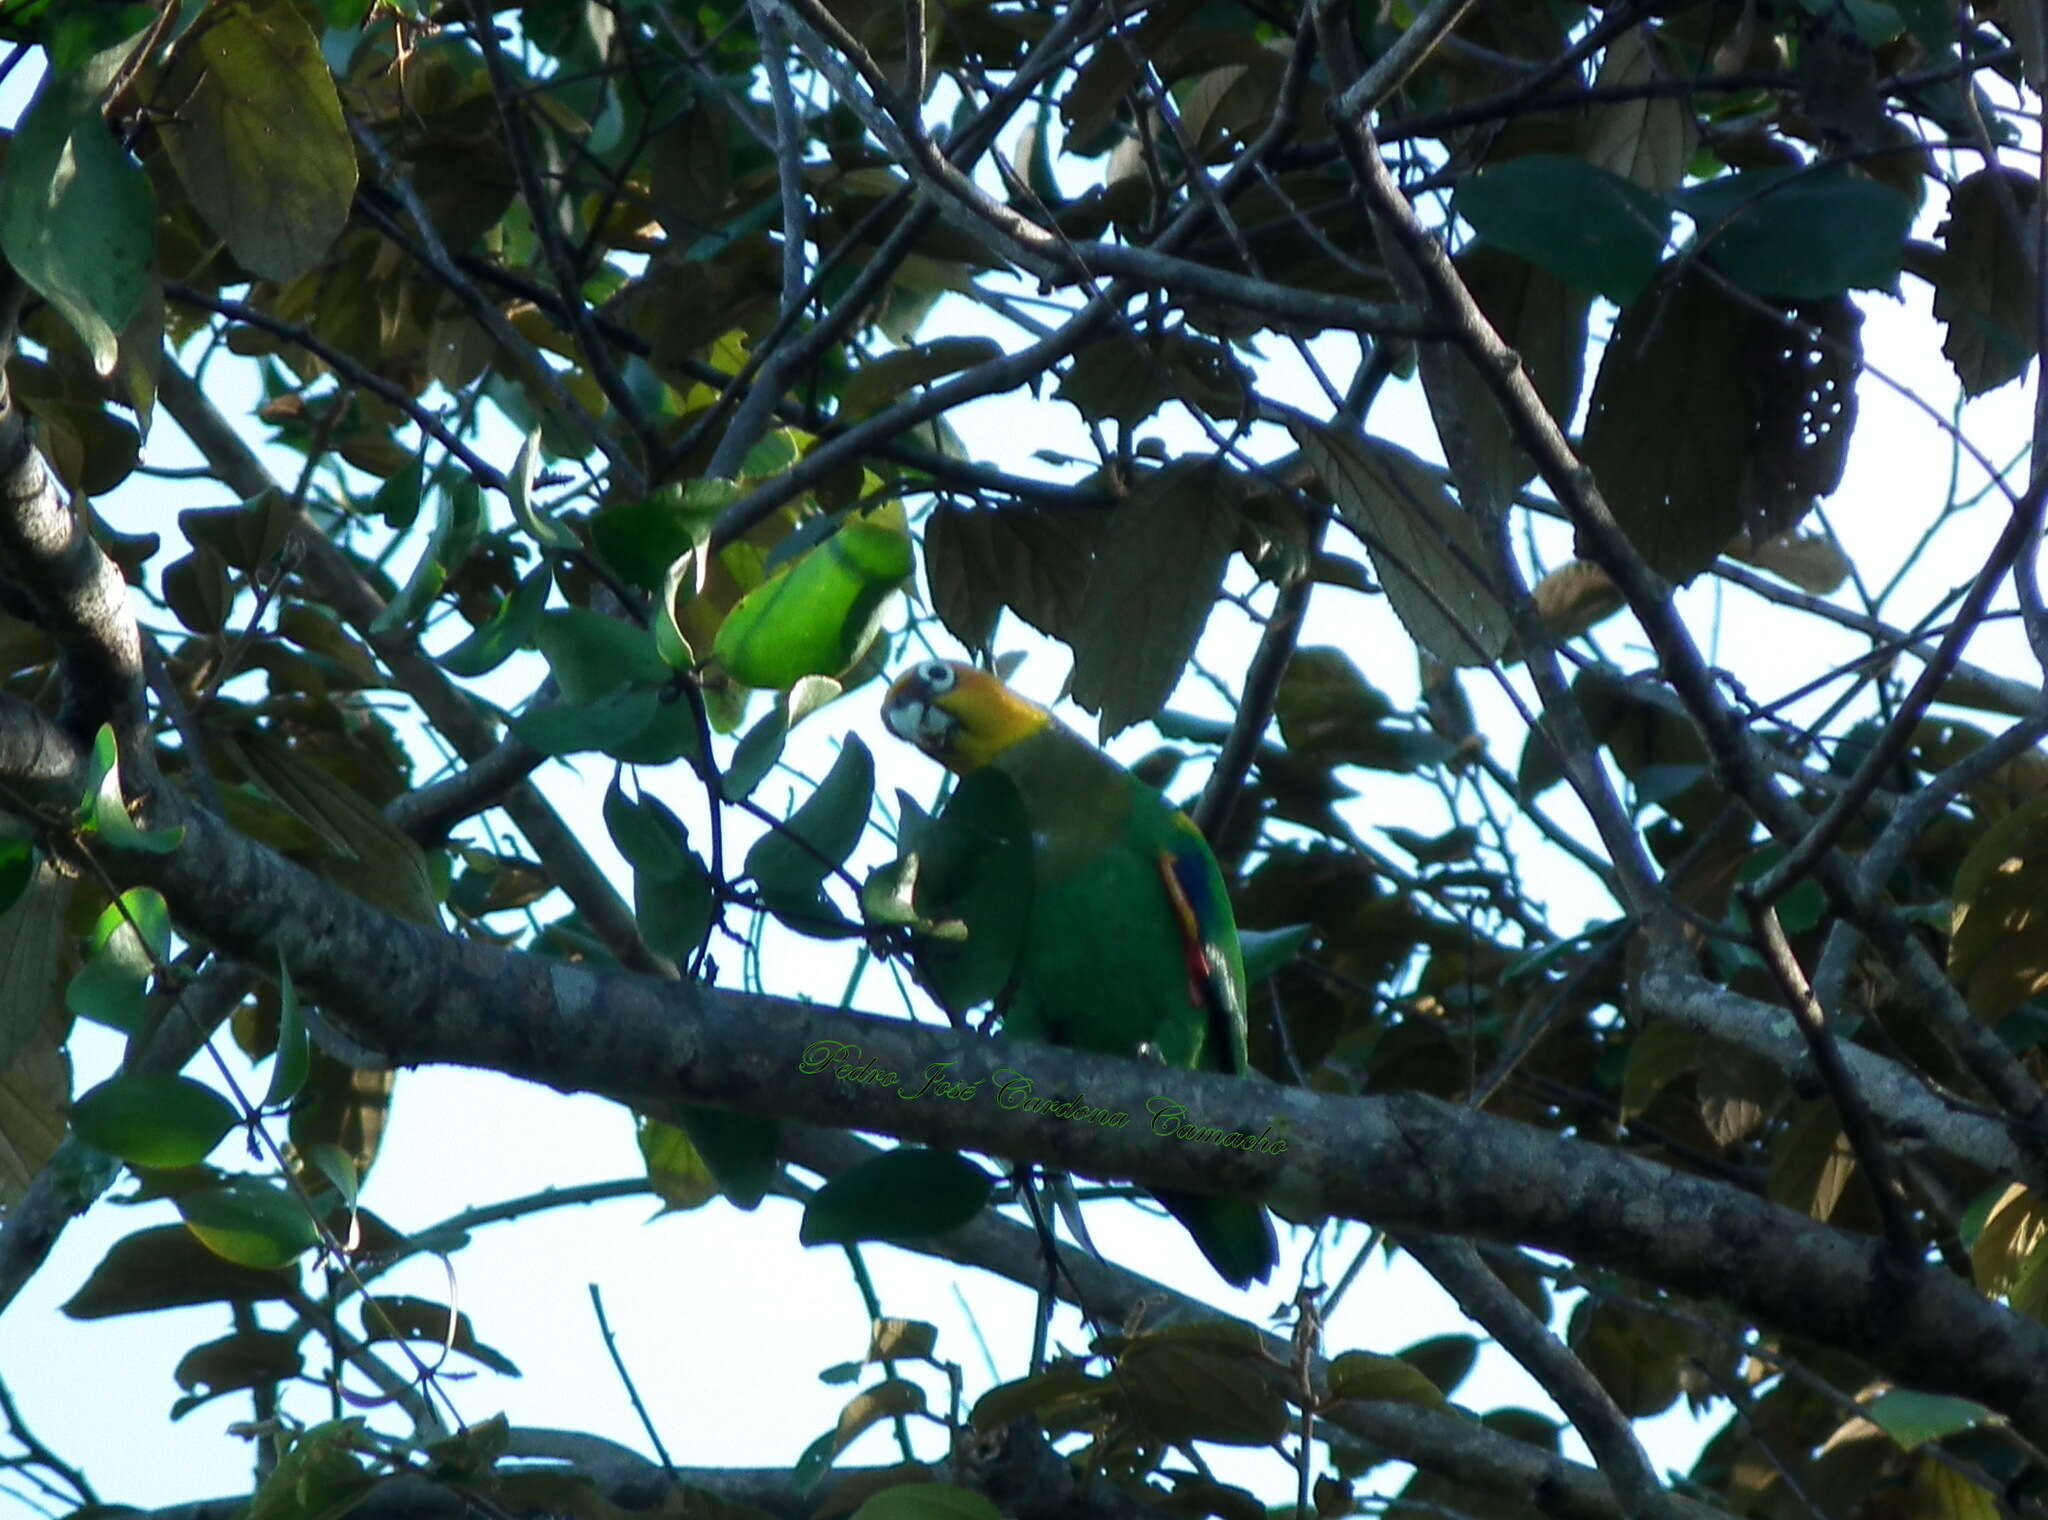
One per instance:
(1764,1129)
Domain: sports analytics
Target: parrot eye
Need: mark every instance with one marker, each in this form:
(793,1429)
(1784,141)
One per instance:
(938,676)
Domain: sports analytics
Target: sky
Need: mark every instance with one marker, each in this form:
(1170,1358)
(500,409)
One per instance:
(723,1319)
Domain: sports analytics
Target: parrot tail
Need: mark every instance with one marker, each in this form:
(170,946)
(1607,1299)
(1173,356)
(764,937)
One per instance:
(1236,1236)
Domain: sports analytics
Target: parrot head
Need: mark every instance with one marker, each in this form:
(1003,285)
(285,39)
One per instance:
(962,717)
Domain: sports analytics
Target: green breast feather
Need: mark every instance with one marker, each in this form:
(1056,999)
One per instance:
(1130,948)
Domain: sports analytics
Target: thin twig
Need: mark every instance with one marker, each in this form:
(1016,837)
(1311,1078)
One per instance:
(611,1346)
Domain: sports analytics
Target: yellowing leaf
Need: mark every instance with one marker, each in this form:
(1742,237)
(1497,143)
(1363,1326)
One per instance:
(1998,941)
(1363,1375)
(255,132)
(1575,597)
(878,382)
(1648,141)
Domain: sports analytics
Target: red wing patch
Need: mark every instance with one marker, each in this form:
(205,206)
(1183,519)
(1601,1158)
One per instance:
(1190,926)
(1209,986)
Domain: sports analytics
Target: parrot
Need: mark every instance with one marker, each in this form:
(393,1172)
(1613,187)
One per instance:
(1129,947)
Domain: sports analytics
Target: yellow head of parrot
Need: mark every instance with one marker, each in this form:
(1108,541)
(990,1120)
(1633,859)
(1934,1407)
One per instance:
(962,717)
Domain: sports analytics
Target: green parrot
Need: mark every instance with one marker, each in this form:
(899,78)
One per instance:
(1129,948)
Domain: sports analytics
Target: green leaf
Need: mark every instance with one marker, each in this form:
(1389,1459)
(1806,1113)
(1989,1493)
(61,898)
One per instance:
(642,539)
(294,1052)
(1265,951)
(1362,1375)
(1984,286)
(592,655)
(1913,1418)
(458,519)
(889,1399)
(676,1170)
(927,1501)
(818,616)
(249,1222)
(1042,1396)
(1446,1360)
(153,1119)
(198,590)
(610,723)
(755,757)
(519,488)
(506,631)
(398,500)
(248,1359)
(106,811)
(881,382)
(669,640)
(17,870)
(317,1478)
(1801,234)
(1426,550)
(740,1149)
(397,1317)
(258,137)
(791,862)
(166,1268)
(133,934)
(336,1167)
(1671,426)
(1589,227)
(76,212)
(1176,1390)
(1931,22)
(973,869)
(1155,581)
(672,893)
(1543,320)
(904,1194)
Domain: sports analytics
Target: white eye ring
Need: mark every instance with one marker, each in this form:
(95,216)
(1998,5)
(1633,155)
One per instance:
(939,676)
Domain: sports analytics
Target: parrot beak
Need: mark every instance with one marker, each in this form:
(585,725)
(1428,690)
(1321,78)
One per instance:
(911,712)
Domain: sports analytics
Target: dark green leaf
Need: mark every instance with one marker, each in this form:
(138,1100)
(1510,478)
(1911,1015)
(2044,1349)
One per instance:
(164,1268)
(974,868)
(132,936)
(294,1046)
(1155,582)
(1589,227)
(905,1194)
(592,655)
(1801,234)
(507,630)
(396,1317)
(790,862)
(740,1149)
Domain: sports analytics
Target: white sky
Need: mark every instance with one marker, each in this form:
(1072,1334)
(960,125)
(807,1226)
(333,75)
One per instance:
(723,1318)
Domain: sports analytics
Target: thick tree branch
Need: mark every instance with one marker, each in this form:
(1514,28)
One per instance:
(419,997)
(79,597)
(1904,1106)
